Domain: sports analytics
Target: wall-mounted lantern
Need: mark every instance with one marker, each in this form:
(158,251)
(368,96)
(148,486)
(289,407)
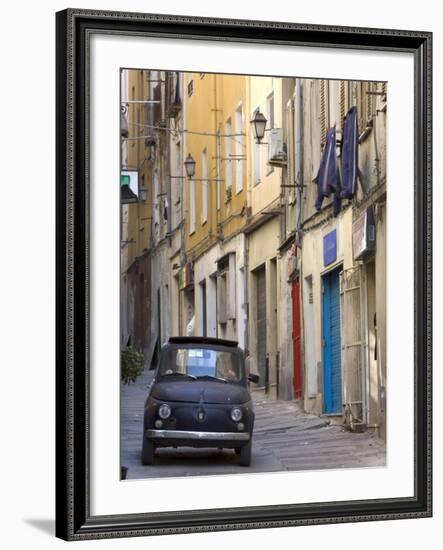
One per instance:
(259,126)
(190,166)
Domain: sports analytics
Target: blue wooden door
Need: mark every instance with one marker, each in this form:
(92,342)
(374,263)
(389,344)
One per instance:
(332,401)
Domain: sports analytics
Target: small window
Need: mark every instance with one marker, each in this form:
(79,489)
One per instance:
(204,188)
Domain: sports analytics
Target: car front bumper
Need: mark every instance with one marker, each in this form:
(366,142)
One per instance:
(197,436)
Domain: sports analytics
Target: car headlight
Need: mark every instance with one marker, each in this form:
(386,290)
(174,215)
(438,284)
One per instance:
(236,414)
(164,411)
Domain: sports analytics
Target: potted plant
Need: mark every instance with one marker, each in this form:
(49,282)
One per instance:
(131,364)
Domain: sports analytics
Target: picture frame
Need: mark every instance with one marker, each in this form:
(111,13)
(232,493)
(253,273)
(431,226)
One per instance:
(74,29)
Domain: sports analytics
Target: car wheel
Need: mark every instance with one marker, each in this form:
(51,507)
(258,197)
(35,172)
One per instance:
(147,452)
(245,454)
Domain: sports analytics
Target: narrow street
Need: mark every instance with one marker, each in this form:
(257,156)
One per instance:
(285,438)
(265,226)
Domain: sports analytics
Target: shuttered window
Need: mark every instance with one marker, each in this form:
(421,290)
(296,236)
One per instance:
(384,89)
(369,89)
(226,289)
(343,100)
(222,316)
(204,188)
(238,150)
(291,150)
(365,104)
(324,110)
(228,154)
(191,205)
(231,287)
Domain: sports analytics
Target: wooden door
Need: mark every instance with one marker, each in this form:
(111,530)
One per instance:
(332,379)
(261,325)
(296,341)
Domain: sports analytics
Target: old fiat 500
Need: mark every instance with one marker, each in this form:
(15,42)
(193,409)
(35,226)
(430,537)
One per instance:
(199,397)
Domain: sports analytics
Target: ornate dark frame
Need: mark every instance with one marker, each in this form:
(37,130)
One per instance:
(74,29)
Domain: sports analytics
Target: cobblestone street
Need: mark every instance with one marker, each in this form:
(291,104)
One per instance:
(285,438)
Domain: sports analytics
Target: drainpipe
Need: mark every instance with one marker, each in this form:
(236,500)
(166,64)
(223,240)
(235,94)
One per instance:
(299,182)
(246,290)
(298,157)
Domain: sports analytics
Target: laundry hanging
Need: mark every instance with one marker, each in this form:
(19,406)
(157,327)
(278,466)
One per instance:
(328,177)
(350,171)
(349,154)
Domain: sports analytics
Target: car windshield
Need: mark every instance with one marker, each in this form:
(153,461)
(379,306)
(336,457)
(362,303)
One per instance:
(201,362)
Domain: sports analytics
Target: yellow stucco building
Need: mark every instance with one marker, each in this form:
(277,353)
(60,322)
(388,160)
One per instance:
(215,138)
(215,111)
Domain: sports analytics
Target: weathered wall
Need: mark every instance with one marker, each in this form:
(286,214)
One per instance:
(205,269)
(263,243)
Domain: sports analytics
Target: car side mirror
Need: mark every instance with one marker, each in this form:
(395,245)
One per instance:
(255,378)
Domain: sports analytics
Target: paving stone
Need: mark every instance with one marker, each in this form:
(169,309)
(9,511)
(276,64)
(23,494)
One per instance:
(285,438)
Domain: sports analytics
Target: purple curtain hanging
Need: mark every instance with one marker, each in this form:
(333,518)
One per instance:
(327,179)
(349,154)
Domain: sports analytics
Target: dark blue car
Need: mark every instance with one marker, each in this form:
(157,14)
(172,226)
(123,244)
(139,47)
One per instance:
(199,398)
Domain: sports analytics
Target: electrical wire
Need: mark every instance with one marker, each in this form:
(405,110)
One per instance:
(193,132)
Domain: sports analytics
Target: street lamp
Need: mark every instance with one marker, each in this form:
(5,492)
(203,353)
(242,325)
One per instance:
(259,126)
(190,166)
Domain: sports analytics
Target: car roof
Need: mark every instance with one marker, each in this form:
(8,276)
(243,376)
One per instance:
(202,340)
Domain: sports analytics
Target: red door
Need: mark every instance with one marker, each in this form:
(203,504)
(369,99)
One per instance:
(296,345)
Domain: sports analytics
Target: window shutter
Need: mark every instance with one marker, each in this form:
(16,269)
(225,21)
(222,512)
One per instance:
(204,188)
(291,151)
(342,101)
(231,290)
(323,111)
(384,90)
(369,100)
(359,102)
(191,205)
(228,155)
(238,150)
(221,299)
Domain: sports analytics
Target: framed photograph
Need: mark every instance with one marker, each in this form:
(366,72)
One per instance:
(244,279)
